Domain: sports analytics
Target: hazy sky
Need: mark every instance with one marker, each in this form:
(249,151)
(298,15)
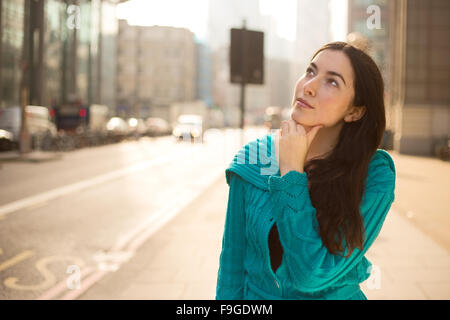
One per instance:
(285,13)
(193,14)
(338,23)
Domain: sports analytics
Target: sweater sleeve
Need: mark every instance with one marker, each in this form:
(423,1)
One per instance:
(310,266)
(230,278)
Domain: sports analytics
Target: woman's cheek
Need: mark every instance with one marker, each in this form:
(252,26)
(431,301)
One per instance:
(330,117)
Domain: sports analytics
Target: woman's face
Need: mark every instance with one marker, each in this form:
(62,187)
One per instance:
(327,86)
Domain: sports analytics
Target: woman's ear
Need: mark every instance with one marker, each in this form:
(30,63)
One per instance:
(355,113)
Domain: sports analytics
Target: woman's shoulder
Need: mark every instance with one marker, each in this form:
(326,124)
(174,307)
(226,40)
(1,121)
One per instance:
(234,179)
(254,163)
(381,174)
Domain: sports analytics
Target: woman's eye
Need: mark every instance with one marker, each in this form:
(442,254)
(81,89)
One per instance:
(309,71)
(333,82)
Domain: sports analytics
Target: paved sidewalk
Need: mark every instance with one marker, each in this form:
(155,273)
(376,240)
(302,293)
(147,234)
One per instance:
(180,261)
(410,264)
(34,156)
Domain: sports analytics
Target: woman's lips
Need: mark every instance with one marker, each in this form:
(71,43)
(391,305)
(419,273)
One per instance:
(302,103)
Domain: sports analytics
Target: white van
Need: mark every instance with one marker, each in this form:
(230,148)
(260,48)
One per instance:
(39,122)
(189,127)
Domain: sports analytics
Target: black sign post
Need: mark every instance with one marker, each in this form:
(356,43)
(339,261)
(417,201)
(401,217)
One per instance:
(246,61)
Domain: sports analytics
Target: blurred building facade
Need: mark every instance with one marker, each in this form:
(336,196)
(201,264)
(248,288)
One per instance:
(203,72)
(313,31)
(60,49)
(362,15)
(278,53)
(420,75)
(222,16)
(108,54)
(11,42)
(155,68)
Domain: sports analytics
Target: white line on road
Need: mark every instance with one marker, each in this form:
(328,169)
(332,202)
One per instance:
(62,191)
(62,286)
(134,239)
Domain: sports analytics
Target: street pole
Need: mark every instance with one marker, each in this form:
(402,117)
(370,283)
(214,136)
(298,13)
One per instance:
(1,33)
(98,95)
(24,136)
(243,80)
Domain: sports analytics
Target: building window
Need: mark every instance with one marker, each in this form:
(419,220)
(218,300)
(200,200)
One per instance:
(427,74)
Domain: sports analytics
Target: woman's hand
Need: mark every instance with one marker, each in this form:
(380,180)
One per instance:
(293,145)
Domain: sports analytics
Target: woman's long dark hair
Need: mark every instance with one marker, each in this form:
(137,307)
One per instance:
(336,183)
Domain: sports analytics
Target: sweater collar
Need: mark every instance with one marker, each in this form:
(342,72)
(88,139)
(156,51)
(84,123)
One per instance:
(256,162)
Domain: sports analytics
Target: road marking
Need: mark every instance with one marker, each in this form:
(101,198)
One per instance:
(62,191)
(62,286)
(141,234)
(111,261)
(175,206)
(37,205)
(158,221)
(41,266)
(15,260)
(178,153)
(87,283)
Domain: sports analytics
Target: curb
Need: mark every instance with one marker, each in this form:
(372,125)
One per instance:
(35,156)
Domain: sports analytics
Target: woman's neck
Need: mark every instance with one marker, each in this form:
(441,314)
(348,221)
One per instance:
(324,141)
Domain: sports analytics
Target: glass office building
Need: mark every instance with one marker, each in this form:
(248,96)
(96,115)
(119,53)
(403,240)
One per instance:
(70,46)
(420,75)
(11,39)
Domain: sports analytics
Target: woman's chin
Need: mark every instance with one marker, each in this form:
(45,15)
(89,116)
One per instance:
(301,121)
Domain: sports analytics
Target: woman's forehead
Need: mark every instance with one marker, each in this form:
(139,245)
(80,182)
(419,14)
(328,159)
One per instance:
(334,61)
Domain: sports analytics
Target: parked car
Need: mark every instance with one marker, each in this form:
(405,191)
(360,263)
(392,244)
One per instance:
(40,126)
(157,127)
(136,127)
(117,129)
(189,127)
(6,140)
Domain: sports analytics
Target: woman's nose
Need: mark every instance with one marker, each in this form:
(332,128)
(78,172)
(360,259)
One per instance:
(310,87)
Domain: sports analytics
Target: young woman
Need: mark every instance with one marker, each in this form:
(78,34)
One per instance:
(300,231)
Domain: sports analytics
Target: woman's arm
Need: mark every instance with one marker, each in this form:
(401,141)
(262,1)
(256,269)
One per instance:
(310,265)
(230,278)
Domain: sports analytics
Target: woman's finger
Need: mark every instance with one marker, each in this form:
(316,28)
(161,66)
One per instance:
(300,129)
(292,126)
(284,126)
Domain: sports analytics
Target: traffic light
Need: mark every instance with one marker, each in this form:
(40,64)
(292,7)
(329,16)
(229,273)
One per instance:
(82,112)
(247,56)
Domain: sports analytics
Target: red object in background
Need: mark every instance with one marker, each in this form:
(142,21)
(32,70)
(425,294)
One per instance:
(52,113)
(82,113)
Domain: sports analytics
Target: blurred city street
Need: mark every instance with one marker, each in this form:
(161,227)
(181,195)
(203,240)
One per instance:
(181,260)
(58,213)
(128,231)
(118,119)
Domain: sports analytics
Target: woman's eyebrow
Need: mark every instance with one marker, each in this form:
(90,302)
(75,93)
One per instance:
(333,73)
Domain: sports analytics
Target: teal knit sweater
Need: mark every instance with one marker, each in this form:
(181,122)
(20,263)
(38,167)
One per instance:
(258,198)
